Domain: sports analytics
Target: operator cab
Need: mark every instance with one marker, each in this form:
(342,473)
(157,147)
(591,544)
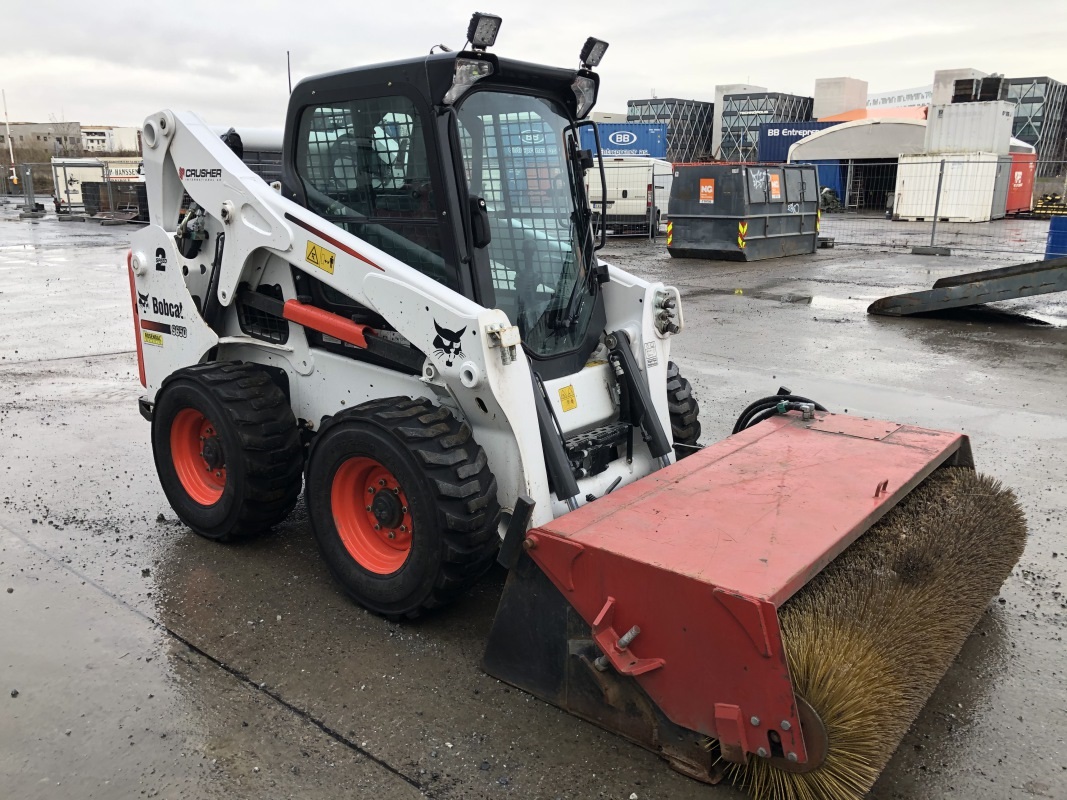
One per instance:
(468,168)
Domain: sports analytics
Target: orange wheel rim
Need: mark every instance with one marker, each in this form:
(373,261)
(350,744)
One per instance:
(196,451)
(372,515)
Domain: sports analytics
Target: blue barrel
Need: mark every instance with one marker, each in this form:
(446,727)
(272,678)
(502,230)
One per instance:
(1057,238)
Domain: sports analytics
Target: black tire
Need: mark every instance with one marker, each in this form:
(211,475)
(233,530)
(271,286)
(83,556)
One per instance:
(450,496)
(255,436)
(684,410)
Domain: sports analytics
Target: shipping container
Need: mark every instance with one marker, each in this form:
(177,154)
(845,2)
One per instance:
(776,137)
(743,212)
(1001,185)
(1021,186)
(628,139)
(967,187)
(638,190)
(970,128)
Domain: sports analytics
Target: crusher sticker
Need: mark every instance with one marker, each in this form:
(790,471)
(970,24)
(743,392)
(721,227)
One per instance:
(567,399)
(151,337)
(158,328)
(651,355)
(776,186)
(707,190)
(319,256)
(447,344)
(199,174)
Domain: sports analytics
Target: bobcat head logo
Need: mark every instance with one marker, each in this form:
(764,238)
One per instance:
(447,344)
(142,300)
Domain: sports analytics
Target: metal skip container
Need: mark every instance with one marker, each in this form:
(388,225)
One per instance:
(743,212)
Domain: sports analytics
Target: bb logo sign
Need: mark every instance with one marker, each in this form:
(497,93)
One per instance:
(622,138)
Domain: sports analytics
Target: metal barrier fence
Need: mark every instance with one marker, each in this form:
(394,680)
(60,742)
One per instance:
(636,194)
(963,202)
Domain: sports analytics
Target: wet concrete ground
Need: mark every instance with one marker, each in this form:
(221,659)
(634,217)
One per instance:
(1009,240)
(149,662)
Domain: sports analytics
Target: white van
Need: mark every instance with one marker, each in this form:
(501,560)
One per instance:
(634,184)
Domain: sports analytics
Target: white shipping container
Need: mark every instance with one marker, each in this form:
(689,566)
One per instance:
(970,128)
(70,173)
(967,187)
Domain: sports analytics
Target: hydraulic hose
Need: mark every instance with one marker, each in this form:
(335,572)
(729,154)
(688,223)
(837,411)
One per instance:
(767,407)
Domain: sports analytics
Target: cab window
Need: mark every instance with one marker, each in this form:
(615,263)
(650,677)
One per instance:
(364,167)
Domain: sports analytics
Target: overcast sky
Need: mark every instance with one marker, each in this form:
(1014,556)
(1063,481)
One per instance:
(116,62)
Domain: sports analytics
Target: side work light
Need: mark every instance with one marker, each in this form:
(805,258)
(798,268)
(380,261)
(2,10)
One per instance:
(482,31)
(584,88)
(468,72)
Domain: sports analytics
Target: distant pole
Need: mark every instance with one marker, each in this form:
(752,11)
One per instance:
(289,71)
(7,124)
(937,201)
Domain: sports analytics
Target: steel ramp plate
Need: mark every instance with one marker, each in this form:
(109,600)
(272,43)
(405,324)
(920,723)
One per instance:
(975,288)
(700,555)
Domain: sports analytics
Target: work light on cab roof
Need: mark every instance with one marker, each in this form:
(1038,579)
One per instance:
(482,31)
(592,52)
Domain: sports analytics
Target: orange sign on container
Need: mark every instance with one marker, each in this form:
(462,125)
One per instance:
(776,186)
(707,190)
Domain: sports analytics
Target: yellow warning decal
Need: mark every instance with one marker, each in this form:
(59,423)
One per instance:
(567,398)
(151,337)
(818,220)
(742,232)
(670,233)
(319,256)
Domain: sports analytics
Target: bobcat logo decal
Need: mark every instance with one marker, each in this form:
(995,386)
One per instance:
(142,299)
(447,344)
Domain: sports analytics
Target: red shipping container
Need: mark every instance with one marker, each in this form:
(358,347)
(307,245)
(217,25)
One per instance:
(1021,183)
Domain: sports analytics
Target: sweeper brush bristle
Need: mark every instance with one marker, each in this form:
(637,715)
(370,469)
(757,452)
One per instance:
(870,637)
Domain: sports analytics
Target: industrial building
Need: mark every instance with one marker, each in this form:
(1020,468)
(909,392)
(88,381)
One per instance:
(110,139)
(1040,117)
(68,139)
(689,125)
(52,138)
(743,113)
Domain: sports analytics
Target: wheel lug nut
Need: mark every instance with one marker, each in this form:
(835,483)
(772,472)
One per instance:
(392,535)
(403,509)
(396,490)
(368,508)
(370,490)
(403,528)
(381,481)
(218,474)
(377,527)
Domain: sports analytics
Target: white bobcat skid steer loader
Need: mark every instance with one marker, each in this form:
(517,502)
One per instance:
(414,327)
(421,303)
